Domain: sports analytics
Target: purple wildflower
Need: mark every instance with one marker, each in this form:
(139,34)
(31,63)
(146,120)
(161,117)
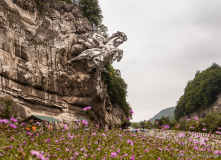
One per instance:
(131,111)
(195,118)
(181,135)
(128,118)
(130,142)
(76,153)
(3,121)
(84,122)
(13,120)
(86,108)
(38,155)
(218,132)
(13,126)
(113,155)
(132,158)
(118,150)
(156,122)
(65,126)
(217,152)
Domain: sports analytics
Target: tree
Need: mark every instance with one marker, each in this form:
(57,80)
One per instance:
(200,92)
(92,11)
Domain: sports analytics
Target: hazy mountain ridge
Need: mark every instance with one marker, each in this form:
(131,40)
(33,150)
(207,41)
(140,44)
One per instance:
(168,112)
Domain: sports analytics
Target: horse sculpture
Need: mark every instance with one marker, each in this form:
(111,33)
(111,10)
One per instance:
(105,53)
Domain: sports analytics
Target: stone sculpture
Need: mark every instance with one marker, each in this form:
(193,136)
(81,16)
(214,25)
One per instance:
(101,50)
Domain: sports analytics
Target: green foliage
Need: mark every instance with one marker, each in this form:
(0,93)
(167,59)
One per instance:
(6,107)
(200,92)
(212,121)
(165,120)
(92,11)
(209,123)
(116,88)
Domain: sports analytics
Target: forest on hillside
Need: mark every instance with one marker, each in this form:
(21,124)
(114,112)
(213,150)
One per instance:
(200,92)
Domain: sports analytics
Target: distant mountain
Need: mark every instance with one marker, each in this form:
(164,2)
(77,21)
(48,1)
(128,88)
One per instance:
(168,112)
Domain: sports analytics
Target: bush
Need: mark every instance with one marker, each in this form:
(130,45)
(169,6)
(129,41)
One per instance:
(116,88)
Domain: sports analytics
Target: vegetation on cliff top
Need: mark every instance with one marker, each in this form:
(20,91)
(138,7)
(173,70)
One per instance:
(200,92)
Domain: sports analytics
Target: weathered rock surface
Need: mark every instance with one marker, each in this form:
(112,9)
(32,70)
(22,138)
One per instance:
(34,46)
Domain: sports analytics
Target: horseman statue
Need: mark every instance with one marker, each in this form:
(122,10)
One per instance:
(101,50)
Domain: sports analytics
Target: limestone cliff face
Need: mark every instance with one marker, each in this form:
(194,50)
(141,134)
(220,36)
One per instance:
(34,47)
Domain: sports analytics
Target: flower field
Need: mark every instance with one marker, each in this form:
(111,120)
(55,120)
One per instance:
(81,142)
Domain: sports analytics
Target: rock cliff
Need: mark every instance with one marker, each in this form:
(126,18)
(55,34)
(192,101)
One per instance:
(35,43)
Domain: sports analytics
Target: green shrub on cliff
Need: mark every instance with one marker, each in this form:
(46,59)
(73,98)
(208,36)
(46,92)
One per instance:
(116,88)
(200,92)
(92,11)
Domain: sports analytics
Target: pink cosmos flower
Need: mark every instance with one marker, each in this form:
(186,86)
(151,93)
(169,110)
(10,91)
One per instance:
(131,111)
(217,152)
(196,148)
(38,155)
(132,158)
(13,120)
(156,122)
(204,129)
(118,150)
(76,153)
(65,126)
(195,118)
(13,126)
(84,122)
(218,132)
(113,155)
(181,135)
(166,126)
(86,108)
(130,142)
(3,121)
(219,127)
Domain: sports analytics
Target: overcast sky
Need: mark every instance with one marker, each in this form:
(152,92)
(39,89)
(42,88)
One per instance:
(168,41)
